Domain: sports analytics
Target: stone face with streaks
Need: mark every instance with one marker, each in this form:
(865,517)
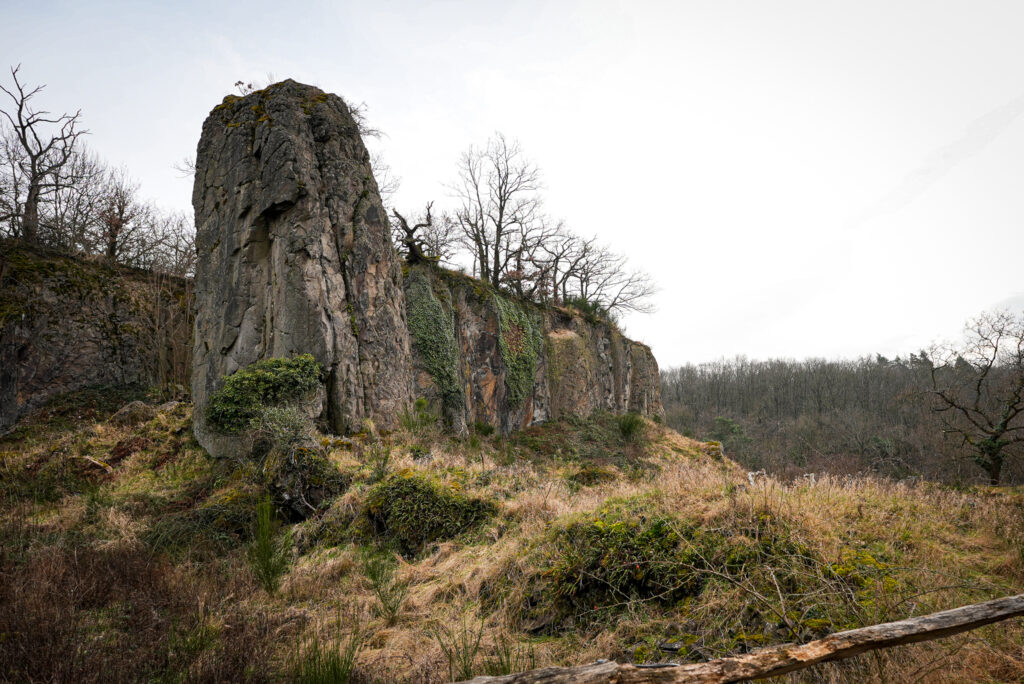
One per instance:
(482,357)
(295,256)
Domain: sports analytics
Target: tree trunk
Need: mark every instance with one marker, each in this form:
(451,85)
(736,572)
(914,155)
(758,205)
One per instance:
(995,469)
(30,217)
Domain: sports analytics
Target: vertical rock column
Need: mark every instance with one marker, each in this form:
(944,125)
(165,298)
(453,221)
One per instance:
(295,256)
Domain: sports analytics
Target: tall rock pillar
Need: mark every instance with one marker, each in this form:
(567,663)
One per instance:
(295,256)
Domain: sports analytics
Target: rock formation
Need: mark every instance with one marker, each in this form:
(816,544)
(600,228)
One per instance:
(295,256)
(483,357)
(68,323)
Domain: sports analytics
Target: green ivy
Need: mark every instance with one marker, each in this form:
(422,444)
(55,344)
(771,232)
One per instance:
(238,402)
(433,331)
(520,343)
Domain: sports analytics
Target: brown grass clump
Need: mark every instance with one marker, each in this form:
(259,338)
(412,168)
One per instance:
(124,558)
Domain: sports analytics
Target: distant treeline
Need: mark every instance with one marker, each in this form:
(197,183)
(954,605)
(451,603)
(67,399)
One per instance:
(869,415)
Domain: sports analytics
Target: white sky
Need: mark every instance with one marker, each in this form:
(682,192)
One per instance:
(802,178)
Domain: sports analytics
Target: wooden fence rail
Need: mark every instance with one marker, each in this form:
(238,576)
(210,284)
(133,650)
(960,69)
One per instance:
(774,661)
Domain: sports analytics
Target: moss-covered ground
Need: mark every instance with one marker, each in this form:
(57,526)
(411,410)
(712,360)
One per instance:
(125,547)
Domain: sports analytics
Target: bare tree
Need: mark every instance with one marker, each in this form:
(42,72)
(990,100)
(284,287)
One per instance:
(430,239)
(499,205)
(68,218)
(124,223)
(173,246)
(978,388)
(387,182)
(43,143)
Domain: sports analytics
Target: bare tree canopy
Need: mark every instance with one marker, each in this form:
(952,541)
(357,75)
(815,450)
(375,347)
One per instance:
(37,145)
(497,190)
(501,227)
(55,192)
(978,387)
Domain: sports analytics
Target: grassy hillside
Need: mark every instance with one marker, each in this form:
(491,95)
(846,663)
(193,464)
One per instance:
(128,554)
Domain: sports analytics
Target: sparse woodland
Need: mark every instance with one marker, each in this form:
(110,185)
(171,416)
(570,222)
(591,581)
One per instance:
(932,414)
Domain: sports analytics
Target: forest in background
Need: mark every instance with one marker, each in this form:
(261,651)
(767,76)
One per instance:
(937,414)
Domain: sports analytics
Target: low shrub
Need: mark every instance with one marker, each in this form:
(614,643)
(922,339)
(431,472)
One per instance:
(302,481)
(237,404)
(219,522)
(594,566)
(411,511)
(631,427)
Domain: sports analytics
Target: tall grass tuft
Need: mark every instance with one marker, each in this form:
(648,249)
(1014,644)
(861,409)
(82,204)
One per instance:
(460,645)
(390,592)
(379,456)
(269,553)
(330,662)
(509,657)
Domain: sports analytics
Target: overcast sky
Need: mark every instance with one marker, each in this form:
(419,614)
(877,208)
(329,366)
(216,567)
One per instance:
(802,178)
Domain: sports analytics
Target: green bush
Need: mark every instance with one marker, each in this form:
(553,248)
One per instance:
(412,511)
(631,427)
(629,551)
(238,403)
(483,428)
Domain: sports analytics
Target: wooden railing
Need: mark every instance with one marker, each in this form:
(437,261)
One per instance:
(778,660)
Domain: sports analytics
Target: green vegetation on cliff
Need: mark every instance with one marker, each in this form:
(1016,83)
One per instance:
(433,331)
(521,342)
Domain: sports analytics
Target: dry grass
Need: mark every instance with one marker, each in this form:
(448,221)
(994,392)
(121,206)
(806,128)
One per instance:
(86,594)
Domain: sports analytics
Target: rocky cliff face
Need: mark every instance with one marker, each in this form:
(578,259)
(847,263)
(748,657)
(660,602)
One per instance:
(295,256)
(67,323)
(482,357)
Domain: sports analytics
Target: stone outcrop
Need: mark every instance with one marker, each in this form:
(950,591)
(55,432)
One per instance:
(67,323)
(295,256)
(482,357)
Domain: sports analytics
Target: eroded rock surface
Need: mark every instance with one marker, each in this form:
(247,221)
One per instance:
(68,323)
(483,357)
(294,256)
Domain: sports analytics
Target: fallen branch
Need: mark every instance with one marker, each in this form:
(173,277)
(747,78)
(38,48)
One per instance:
(771,662)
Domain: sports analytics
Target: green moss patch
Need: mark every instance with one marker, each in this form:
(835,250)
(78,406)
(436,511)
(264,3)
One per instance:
(520,342)
(411,511)
(238,402)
